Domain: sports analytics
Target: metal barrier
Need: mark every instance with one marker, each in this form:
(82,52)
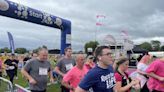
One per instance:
(18,88)
(5,85)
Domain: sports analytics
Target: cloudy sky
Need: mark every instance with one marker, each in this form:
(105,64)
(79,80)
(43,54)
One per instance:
(142,19)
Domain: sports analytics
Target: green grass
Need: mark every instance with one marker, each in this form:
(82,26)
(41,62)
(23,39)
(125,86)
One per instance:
(23,82)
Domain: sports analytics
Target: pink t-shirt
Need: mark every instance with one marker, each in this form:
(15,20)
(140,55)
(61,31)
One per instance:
(157,67)
(88,67)
(74,76)
(0,65)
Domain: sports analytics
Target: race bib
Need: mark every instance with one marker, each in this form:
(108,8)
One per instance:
(11,67)
(68,66)
(43,71)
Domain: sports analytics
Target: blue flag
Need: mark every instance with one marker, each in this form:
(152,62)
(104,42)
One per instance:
(11,41)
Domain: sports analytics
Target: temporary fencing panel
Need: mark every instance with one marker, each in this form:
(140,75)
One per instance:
(18,88)
(5,85)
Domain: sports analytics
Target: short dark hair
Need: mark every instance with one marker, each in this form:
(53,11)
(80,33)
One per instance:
(12,54)
(99,49)
(67,48)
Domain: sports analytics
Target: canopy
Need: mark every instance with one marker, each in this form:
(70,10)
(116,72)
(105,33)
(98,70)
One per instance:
(137,49)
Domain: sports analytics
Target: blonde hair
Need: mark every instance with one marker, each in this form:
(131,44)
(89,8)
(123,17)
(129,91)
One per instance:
(146,59)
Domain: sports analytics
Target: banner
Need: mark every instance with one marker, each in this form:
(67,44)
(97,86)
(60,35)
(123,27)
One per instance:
(18,88)
(11,42)
(21,12)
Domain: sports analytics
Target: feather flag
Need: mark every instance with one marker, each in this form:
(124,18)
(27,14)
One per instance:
(98,16)
(99,24)
(100,20)
(11,42)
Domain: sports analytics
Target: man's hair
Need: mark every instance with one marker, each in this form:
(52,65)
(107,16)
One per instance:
(42,48)
(12,54)
(32,54)
(98,50)
(67,48)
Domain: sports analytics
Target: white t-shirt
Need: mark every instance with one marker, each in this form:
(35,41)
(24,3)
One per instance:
(142,67)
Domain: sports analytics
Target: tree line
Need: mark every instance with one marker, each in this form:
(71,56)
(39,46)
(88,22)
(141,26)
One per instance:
(19,50)
(153,45)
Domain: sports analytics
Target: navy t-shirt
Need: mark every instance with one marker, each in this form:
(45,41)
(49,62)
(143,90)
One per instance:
(99,80)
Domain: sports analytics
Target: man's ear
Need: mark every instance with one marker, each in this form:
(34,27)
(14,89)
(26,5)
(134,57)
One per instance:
(99,58)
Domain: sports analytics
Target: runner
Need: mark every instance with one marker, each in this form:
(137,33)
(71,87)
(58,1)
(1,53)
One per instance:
(123,82)
(64,65)
(156,73)
(36,71)
(101,77)
(73,77)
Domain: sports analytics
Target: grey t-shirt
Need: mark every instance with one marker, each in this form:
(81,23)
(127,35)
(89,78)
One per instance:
(39,71)
(65,64)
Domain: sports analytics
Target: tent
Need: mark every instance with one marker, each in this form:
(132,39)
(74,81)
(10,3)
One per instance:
(137,49)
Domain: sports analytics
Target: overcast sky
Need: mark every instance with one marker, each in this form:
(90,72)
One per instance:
(142,19)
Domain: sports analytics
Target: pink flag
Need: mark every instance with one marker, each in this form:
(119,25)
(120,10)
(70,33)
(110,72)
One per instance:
(99,24)
(98,16)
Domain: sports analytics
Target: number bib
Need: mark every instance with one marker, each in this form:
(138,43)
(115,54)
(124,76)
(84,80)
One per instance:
(43,71)
(68,66)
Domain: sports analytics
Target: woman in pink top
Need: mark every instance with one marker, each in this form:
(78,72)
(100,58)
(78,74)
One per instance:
(156,73)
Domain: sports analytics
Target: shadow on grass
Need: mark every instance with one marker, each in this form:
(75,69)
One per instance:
(23,82)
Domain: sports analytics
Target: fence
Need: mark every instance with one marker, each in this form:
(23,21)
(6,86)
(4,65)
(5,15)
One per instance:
(18,88)
(7,86)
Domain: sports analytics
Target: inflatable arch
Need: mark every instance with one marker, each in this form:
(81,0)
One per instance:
(21,12)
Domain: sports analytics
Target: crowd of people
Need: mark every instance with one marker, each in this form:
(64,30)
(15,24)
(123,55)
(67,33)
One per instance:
(98,72)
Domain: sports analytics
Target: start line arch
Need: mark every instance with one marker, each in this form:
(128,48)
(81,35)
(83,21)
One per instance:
(21,12)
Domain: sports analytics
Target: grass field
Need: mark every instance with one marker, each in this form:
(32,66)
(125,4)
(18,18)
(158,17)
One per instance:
(23,82)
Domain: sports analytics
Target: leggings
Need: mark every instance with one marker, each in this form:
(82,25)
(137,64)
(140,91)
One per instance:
(156,91)
(64,89)
(11,75)
(38,91)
